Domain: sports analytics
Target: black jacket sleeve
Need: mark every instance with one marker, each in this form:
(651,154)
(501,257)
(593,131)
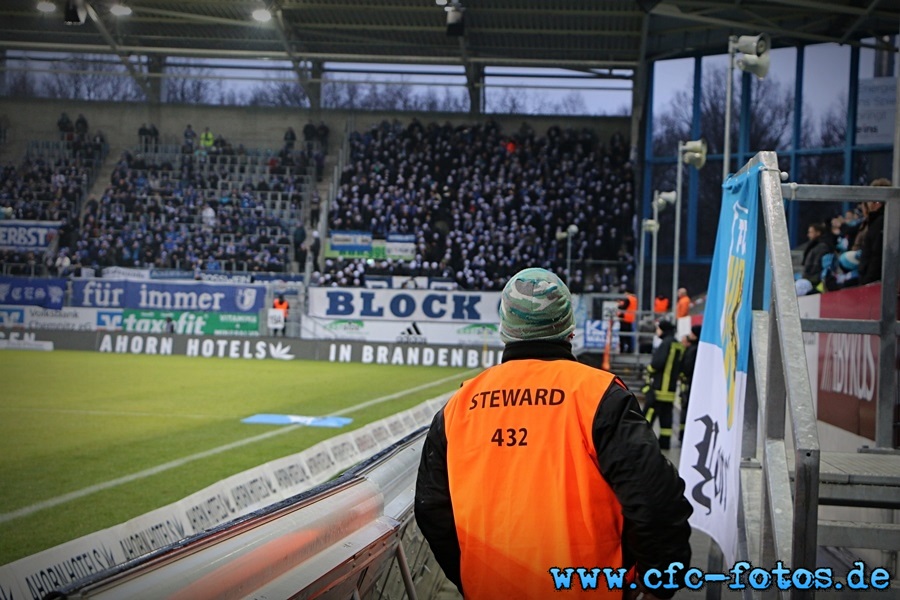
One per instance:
(656,530)
(871,252)
(433,508)
(660,356)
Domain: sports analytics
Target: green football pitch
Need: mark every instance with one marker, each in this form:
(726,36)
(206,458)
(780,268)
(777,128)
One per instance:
(79,431)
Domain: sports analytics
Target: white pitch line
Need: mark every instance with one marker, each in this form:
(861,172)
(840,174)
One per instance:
(51,502)
(111,413)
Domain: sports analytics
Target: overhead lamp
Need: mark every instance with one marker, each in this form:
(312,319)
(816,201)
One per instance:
(693,153)
(660,201)
(120,10)
(45,6)
(757,65)
(665,198)
(263,15)
(441,2)
(456,24)
(755,45)
(75,12)
(756,61)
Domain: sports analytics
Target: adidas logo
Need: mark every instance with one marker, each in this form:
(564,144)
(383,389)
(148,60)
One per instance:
(412,335)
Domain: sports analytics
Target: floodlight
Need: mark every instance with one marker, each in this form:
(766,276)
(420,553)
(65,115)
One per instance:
(263,15)
(665,198)
(456,25)
(120,9)
(45,6)
(757,65)
(755,45)
(755,60)
(694,153)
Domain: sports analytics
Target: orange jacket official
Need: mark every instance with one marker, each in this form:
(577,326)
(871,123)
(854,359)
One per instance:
(629,307)
(543,462)
(281,305)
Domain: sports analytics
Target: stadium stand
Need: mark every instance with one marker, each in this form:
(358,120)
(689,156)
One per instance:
(50,184)
(228,209)
(484,204)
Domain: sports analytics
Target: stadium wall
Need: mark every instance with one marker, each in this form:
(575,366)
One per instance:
(261,348)
(261,127)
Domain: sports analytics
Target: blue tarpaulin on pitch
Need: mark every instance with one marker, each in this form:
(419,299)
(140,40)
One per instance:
(270,419)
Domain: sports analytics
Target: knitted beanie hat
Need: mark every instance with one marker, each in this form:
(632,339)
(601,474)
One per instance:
(535,305)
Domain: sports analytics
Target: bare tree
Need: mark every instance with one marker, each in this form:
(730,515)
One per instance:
(340,95)
(399,96)
(571,104)
(509,101)
(772,110)
(278,93)
(89,77)
(21,84)
(188,85)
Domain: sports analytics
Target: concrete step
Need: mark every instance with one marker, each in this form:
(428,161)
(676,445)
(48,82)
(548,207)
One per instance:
(858,479)
(852,534)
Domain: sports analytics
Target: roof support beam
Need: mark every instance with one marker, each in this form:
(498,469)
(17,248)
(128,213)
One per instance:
(331,57)
(859,21)
(314,96)
(667,10)
(182,16)
(104,33)
(474,79)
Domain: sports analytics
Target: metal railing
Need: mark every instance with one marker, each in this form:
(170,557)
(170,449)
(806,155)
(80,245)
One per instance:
(789,514)
(886,327)
(779,383)
(354,537)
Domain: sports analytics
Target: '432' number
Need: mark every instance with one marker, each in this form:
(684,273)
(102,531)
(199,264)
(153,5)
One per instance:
(510,437)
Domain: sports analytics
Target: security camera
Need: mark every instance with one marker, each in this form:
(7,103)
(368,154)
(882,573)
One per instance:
(755,45)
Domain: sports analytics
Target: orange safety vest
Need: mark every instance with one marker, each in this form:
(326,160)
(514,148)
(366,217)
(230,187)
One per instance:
(282,306)
(525,482)
(631,310)
(660,305)
(683,307)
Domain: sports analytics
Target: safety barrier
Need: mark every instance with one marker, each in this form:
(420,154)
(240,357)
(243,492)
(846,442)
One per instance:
(354,537)
(796,474)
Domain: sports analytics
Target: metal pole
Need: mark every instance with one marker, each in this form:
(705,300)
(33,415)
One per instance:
(641,255)
(726,159)
(569,257)
(406,574)
(655,233)
(677,248)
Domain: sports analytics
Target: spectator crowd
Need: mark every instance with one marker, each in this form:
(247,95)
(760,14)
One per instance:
(845,251)
(479,203)
(483,204)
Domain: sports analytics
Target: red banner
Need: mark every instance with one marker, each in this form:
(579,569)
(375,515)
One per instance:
(848,363)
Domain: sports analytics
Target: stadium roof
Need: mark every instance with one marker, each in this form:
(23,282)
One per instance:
(575,34)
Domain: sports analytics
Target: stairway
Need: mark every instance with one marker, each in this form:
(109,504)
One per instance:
(869,478)
(101,181)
